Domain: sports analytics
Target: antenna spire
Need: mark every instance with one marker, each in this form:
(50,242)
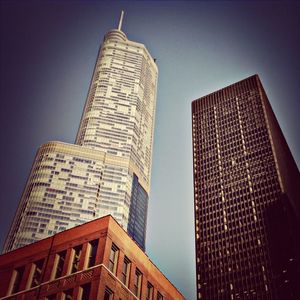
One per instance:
(121,20)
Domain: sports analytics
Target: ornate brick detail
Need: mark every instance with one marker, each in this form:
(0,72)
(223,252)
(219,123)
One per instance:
(87,275)
(53,285)
(69,280)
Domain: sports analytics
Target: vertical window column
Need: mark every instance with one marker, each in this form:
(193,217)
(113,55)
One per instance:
(149,295)
(67,295)
(90,255)
(113,258)
(108,294)
(126,271)
(15,281)
(84,292)
(74,259)
(35,274)
(58,265)
(159,296)
(137,288)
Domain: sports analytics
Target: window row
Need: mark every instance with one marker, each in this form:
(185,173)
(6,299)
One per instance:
(125,276)
(35,274)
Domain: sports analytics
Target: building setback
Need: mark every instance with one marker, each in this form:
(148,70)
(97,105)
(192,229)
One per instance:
(246,197)
(96,260)
(108,169)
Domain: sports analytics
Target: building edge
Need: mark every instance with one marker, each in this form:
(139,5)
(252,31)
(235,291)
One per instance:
(110,222)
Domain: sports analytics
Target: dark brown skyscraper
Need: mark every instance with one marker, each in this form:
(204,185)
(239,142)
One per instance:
(247,197)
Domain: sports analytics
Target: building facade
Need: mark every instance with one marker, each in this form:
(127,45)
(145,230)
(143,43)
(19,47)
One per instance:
(108,169)
(96,260)
(246,197)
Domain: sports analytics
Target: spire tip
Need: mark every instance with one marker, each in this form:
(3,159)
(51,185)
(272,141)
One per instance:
(121,20)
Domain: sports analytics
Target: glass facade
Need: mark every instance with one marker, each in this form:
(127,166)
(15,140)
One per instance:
(237,179)
(138,213)
(119,113)
(111,159)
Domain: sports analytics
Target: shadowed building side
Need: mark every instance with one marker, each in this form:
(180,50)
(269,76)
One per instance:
(244,179)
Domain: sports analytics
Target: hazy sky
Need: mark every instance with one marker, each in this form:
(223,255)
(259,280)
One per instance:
(48,51)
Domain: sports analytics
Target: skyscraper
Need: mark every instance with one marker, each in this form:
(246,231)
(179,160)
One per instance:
(246,197)
(108,169)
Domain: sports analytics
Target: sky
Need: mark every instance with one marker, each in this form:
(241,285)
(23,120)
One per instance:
(48,50)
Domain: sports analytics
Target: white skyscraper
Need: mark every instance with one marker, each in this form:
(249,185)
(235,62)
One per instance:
(108,169)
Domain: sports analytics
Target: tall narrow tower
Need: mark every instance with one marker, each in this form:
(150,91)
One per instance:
(247,197)
(108,169)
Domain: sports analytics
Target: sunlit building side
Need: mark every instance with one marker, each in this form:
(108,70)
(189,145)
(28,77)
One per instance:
(96,260)
(108,169)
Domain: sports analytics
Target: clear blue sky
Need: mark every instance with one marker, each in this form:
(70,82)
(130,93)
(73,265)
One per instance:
(48,51)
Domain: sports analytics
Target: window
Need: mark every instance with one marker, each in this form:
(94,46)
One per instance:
(149,295)
(75,258)
(108,294)
(67,295)
(58,266)
(126,271)
(113,258)
(15,280)
(35,275)
(137,283)
(84,292)
(92,251)
(159,296)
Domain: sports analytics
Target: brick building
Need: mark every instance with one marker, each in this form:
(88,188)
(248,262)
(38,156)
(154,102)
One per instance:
(96,260)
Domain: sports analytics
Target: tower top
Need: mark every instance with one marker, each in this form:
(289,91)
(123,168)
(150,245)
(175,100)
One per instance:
(116,34)
(121,20)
